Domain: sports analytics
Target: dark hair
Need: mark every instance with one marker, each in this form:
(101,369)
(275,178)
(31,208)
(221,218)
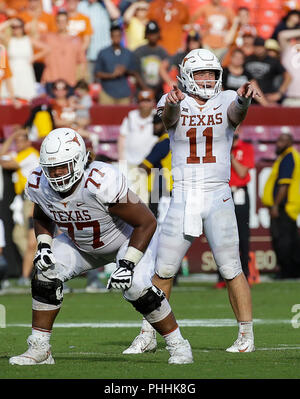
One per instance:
(243,9)
(238,50)
(82,84)
(115,25)
(291,12)
(22,23)
(62,12)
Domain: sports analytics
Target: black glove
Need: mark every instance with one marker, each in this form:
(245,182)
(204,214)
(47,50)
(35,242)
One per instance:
(122,277)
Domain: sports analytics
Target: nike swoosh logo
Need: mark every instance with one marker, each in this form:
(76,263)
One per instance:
(217,107)
(79,203)
(243,350)
(224,200)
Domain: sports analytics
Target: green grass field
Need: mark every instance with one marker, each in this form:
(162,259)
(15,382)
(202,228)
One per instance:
(95,351)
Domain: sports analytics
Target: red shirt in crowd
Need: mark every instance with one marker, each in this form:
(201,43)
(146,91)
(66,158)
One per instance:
(244,154)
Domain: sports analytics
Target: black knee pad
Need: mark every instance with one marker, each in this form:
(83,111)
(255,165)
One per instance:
(149,301)
(50,292)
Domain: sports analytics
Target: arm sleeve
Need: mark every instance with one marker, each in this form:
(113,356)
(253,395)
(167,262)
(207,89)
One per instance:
(286,169)
(158,152)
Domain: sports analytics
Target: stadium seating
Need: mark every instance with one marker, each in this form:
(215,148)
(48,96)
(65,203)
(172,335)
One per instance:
(263,139)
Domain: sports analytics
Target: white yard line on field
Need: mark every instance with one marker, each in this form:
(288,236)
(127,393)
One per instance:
(182,323)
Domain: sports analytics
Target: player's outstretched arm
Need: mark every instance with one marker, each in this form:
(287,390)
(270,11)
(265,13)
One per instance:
(237,110)
(171,112)
(136,214)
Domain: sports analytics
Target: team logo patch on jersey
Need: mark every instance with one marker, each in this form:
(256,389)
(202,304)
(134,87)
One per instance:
(185,109)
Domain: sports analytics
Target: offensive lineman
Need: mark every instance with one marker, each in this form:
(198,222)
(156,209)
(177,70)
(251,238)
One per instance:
(100,219)
(201,124)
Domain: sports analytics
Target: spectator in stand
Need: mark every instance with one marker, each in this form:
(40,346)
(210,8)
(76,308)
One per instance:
(100,15)
(23,162)
(289,21)
(20,51)
(79,25)
(241,23)
(65,58)
(281,196)
(242,160)
(113,66)
(62,107)
(217,21)
(73,111)
(290,45)
(37,24)
(237,36)
(136,19)
(81,103)
(265,70)
(157,165)
(136,140)
(169,67)
(273,48)
(234,76)
(172,17)
(149,58)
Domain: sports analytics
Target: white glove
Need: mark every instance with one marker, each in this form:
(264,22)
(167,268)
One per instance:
(122,277)
(44,257)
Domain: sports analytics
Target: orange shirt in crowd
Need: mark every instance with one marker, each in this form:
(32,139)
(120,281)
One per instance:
(80,25)
(171,16)
(66,52)
(217,20)
(18,5)
(45,22)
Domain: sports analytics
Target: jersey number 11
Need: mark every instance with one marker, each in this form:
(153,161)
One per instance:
(209,157)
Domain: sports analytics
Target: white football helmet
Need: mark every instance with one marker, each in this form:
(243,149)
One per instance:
(200,60)
(63,146)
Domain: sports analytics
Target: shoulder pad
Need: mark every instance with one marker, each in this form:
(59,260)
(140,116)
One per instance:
(104,181)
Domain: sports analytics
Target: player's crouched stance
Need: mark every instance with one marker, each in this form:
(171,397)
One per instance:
(100,220)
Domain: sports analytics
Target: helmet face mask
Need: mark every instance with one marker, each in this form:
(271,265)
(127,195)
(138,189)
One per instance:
(201,60)
(62,158)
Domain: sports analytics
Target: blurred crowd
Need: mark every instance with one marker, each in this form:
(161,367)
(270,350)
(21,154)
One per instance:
(116,48)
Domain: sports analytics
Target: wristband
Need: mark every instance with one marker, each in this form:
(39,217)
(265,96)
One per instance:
(133,255)
(44,239)
(242,103)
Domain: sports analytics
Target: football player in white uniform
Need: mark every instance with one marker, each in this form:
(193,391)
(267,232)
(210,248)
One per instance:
(201,124)
(100,220)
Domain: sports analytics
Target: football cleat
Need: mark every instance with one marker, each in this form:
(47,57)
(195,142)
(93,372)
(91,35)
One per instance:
(38,353)
(180,351)
(242,344)
(144,342)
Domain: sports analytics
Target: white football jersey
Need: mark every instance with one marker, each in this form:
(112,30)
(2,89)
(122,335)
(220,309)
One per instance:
(201,141)
(84,215)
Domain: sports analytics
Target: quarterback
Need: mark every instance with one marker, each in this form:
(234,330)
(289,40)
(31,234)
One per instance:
(100,220)
(201,123)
